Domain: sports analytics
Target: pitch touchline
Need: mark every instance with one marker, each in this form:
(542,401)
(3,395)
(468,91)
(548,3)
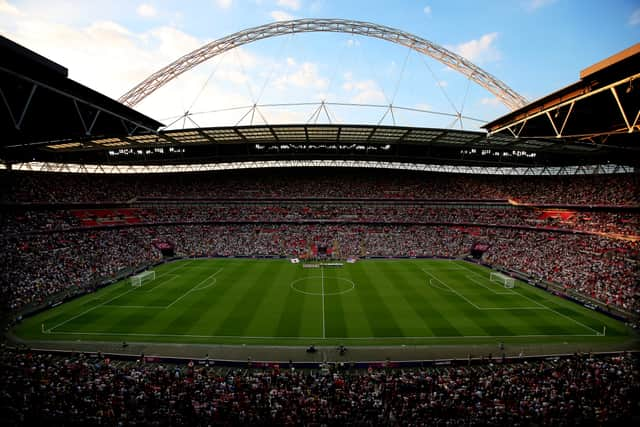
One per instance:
(106,302)
(324,338)
(540,304)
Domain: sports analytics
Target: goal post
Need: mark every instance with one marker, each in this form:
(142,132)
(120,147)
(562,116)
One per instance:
(146,276)
(506,281)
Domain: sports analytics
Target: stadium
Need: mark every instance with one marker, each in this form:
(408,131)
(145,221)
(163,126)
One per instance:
(278,268)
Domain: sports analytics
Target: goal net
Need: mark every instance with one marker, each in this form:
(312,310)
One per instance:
(145,276)
(507,282)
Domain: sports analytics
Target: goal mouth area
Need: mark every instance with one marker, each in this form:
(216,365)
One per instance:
(137,280)
(507,281)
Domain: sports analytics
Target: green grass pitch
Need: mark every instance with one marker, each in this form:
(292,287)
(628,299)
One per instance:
(275,302)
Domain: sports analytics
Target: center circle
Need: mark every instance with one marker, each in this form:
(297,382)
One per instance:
(297,286)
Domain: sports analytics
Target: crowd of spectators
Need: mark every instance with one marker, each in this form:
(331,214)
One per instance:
(54,248)
(46,263)
(94,390)
(603,269)
(22,187)
(29,220)
(38,266)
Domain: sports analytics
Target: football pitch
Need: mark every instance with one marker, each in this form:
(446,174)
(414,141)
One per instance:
(275,302)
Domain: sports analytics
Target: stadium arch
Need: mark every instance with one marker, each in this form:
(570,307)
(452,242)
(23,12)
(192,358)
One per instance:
(510,98)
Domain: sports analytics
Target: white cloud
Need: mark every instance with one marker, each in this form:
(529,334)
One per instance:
(533,5)
(442,83)
(289,4)
(7,8)
(363,91)
(146,10)
(427,10)
(634,19)
(305,76)
(490,101)
(479,50)
(224,4)
(280,15)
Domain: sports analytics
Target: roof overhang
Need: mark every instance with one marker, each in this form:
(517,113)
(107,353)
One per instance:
(38,102)
(603,106)
(320,141)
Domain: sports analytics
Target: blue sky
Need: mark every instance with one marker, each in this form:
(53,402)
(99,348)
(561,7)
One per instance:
(534,46)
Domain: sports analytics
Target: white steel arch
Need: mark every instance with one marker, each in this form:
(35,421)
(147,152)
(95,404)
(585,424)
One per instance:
(504,93)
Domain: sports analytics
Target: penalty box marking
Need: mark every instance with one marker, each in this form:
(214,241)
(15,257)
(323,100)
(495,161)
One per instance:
(170,277)
(541,307)
(489,288)
(64,322)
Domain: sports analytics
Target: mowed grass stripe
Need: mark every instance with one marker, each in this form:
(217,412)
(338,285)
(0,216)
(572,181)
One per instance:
(544,321)
(508,321)
(391,299)
(451,306)
(373,293)
(266,314)
(64,312)
(336,325)
(180,318)
(417,319)
(290,317)
(482,292)
(425,301)
(568,313)
(214,294)
(489,321)
(356,321)
(255,286)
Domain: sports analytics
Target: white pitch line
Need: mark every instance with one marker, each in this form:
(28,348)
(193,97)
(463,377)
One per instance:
(90,309)
(137,306)
(106,302)
(485,308)
(324,335)
(490,289)
(484,278)
(210,285)
(194,288)
(431,282)
(542,305)
(430,337)
(560,314)
(162,282)
(453,290)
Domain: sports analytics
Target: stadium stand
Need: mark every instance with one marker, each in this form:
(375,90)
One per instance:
(609,190)
(81,390)
(65,243)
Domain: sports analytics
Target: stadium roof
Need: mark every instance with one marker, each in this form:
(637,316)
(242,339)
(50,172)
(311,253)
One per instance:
(38,102)
(602,107)
(48,118)
(317,141)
